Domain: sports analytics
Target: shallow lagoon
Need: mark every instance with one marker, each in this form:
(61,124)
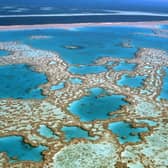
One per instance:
(72,132)
(3,53)
(125,132)
(124,66)
(96,106)
(46,132)
(20,81)
(59,86)
(164,89)
(17,150)
(133,82)
(95,42)
(83,70)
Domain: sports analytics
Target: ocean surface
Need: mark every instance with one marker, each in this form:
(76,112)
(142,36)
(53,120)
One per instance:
(18,12)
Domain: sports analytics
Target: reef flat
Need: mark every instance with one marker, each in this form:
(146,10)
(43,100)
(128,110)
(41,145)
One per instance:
(86,118)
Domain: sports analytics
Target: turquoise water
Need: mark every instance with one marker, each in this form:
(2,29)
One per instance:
(72,132)
(164,89)
(76,81)
(46,132)
(164,27)
(96,105)
(132,82)
(17,150)
(59,86)
(96,42)
(3,53)
(83,70)
(20,81)
(125,132)
(124,66)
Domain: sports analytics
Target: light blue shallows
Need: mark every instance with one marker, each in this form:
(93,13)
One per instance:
(76,81)
(124,66)
(97,105)
(17,150)
(20,81)
(125,132)
(132,82)
(58,86)
(3,53)
(84,69)
(164,89)
(72,132)
(46,132)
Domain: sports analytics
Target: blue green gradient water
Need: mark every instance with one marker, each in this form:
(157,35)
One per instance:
(96,42)
(96,106)
(20,81)
(131,81)
(17,150)
(125,132)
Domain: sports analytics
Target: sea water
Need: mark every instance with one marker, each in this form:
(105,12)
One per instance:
(17,150)
(125,132)
(96,106)
(20,81)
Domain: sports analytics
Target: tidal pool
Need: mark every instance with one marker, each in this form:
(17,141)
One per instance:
(164,89)
(145,121)
(84,69)
(17,150)
(124,66)
(76,81)
(72,132)
(125,132)
(59,86)
(3,53)
(46,132)
(97,105)
(20,81)
(132,82)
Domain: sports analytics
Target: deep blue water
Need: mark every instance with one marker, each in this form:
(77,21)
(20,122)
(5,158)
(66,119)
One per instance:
(125,132)
(17,150)
(20,81)
(77,19)
(133,82)
(22,7)
(97,105)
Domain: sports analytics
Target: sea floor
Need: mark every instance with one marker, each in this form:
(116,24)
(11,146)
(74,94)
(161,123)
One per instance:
(85,97)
